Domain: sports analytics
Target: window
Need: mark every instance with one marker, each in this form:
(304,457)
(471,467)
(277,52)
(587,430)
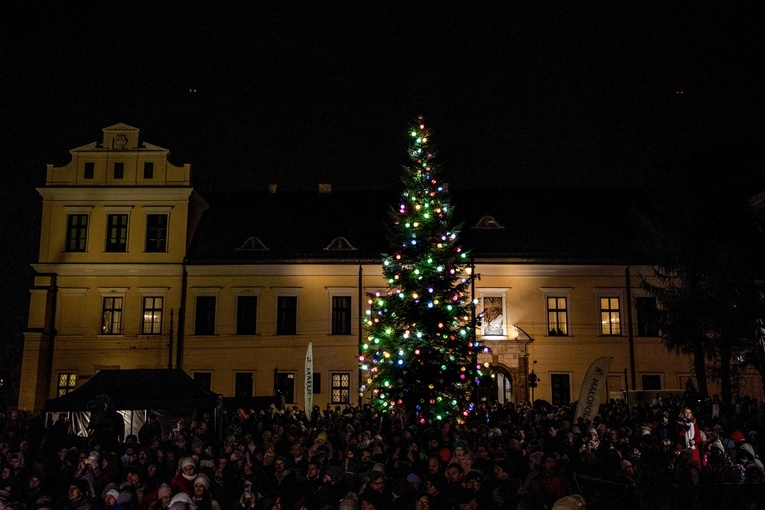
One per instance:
(204,379)
(76,232)
(341,315)
(148,170)
(152,316)
(246,315)
(651,382)
(156,232)
(561,389)
(243,382)
(647,316)
(119,170)
(89,170)
(610,318)
(204,323)
(557,316)
(116,232)
(66,383)
(285,386)
(341,388)
(286,315)
(316,383)
(111,319)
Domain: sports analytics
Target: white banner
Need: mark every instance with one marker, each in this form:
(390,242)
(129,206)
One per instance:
(309,379)
(593,387)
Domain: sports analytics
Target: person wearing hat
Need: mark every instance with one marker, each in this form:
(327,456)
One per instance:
(202,497)
(111,498)
(77,495)
(719,467)
(183,481)
(34,490)
(182,501)
(462,455)
(164,495)
(572,502)
(89,469)
(333,487)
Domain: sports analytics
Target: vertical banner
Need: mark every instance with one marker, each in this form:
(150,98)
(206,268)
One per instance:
(593,386)
(309,379)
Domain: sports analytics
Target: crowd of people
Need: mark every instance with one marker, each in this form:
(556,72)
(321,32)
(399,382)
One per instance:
(535,457)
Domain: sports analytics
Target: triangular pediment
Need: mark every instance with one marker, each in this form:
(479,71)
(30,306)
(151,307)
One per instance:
(253,244)
(340,244)
(120,127)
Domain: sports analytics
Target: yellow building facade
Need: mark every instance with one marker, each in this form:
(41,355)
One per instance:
(128,277)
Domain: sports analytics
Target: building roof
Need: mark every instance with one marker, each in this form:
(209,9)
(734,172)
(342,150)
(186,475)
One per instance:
(550,225)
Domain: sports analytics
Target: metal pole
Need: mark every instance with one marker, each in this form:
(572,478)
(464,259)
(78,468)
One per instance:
(170,353)
(630,335)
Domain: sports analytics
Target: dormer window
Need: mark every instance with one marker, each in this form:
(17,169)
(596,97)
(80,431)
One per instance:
(340,244)
(488,222)
(253,244)
(90,168)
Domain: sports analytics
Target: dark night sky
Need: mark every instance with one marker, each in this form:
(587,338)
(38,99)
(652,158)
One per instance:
(253,92)
(518,96)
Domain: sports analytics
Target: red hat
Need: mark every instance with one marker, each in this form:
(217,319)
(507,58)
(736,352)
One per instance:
(737,436)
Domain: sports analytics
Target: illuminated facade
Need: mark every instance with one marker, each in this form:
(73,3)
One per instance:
(138,270)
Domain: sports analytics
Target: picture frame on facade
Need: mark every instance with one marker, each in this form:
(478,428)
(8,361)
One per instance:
(493,316)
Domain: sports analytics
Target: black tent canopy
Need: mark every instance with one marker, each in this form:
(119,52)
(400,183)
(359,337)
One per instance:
(170,393)
(138,389)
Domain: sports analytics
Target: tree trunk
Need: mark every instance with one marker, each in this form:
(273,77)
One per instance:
(700,367)
(725,375)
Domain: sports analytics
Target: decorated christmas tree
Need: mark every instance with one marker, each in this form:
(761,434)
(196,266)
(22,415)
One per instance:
(419,354)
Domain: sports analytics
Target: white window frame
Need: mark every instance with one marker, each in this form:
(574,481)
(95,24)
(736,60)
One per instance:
(606,294)
(206,292)
(557,292)
(494,293)
(154,292)
(343,292)
(114,292)
(247,292)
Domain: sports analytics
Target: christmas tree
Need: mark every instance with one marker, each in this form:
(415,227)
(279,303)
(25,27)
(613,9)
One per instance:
(420,350)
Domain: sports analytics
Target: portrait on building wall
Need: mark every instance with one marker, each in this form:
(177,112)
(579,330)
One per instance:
(492,318)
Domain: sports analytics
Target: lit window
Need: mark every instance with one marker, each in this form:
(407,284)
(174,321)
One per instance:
(557,316)
(341,388)
(152,316)
(66,383)
(111,319)
(610,316)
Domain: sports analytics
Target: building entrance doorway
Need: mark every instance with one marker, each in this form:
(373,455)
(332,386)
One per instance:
(497,386)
